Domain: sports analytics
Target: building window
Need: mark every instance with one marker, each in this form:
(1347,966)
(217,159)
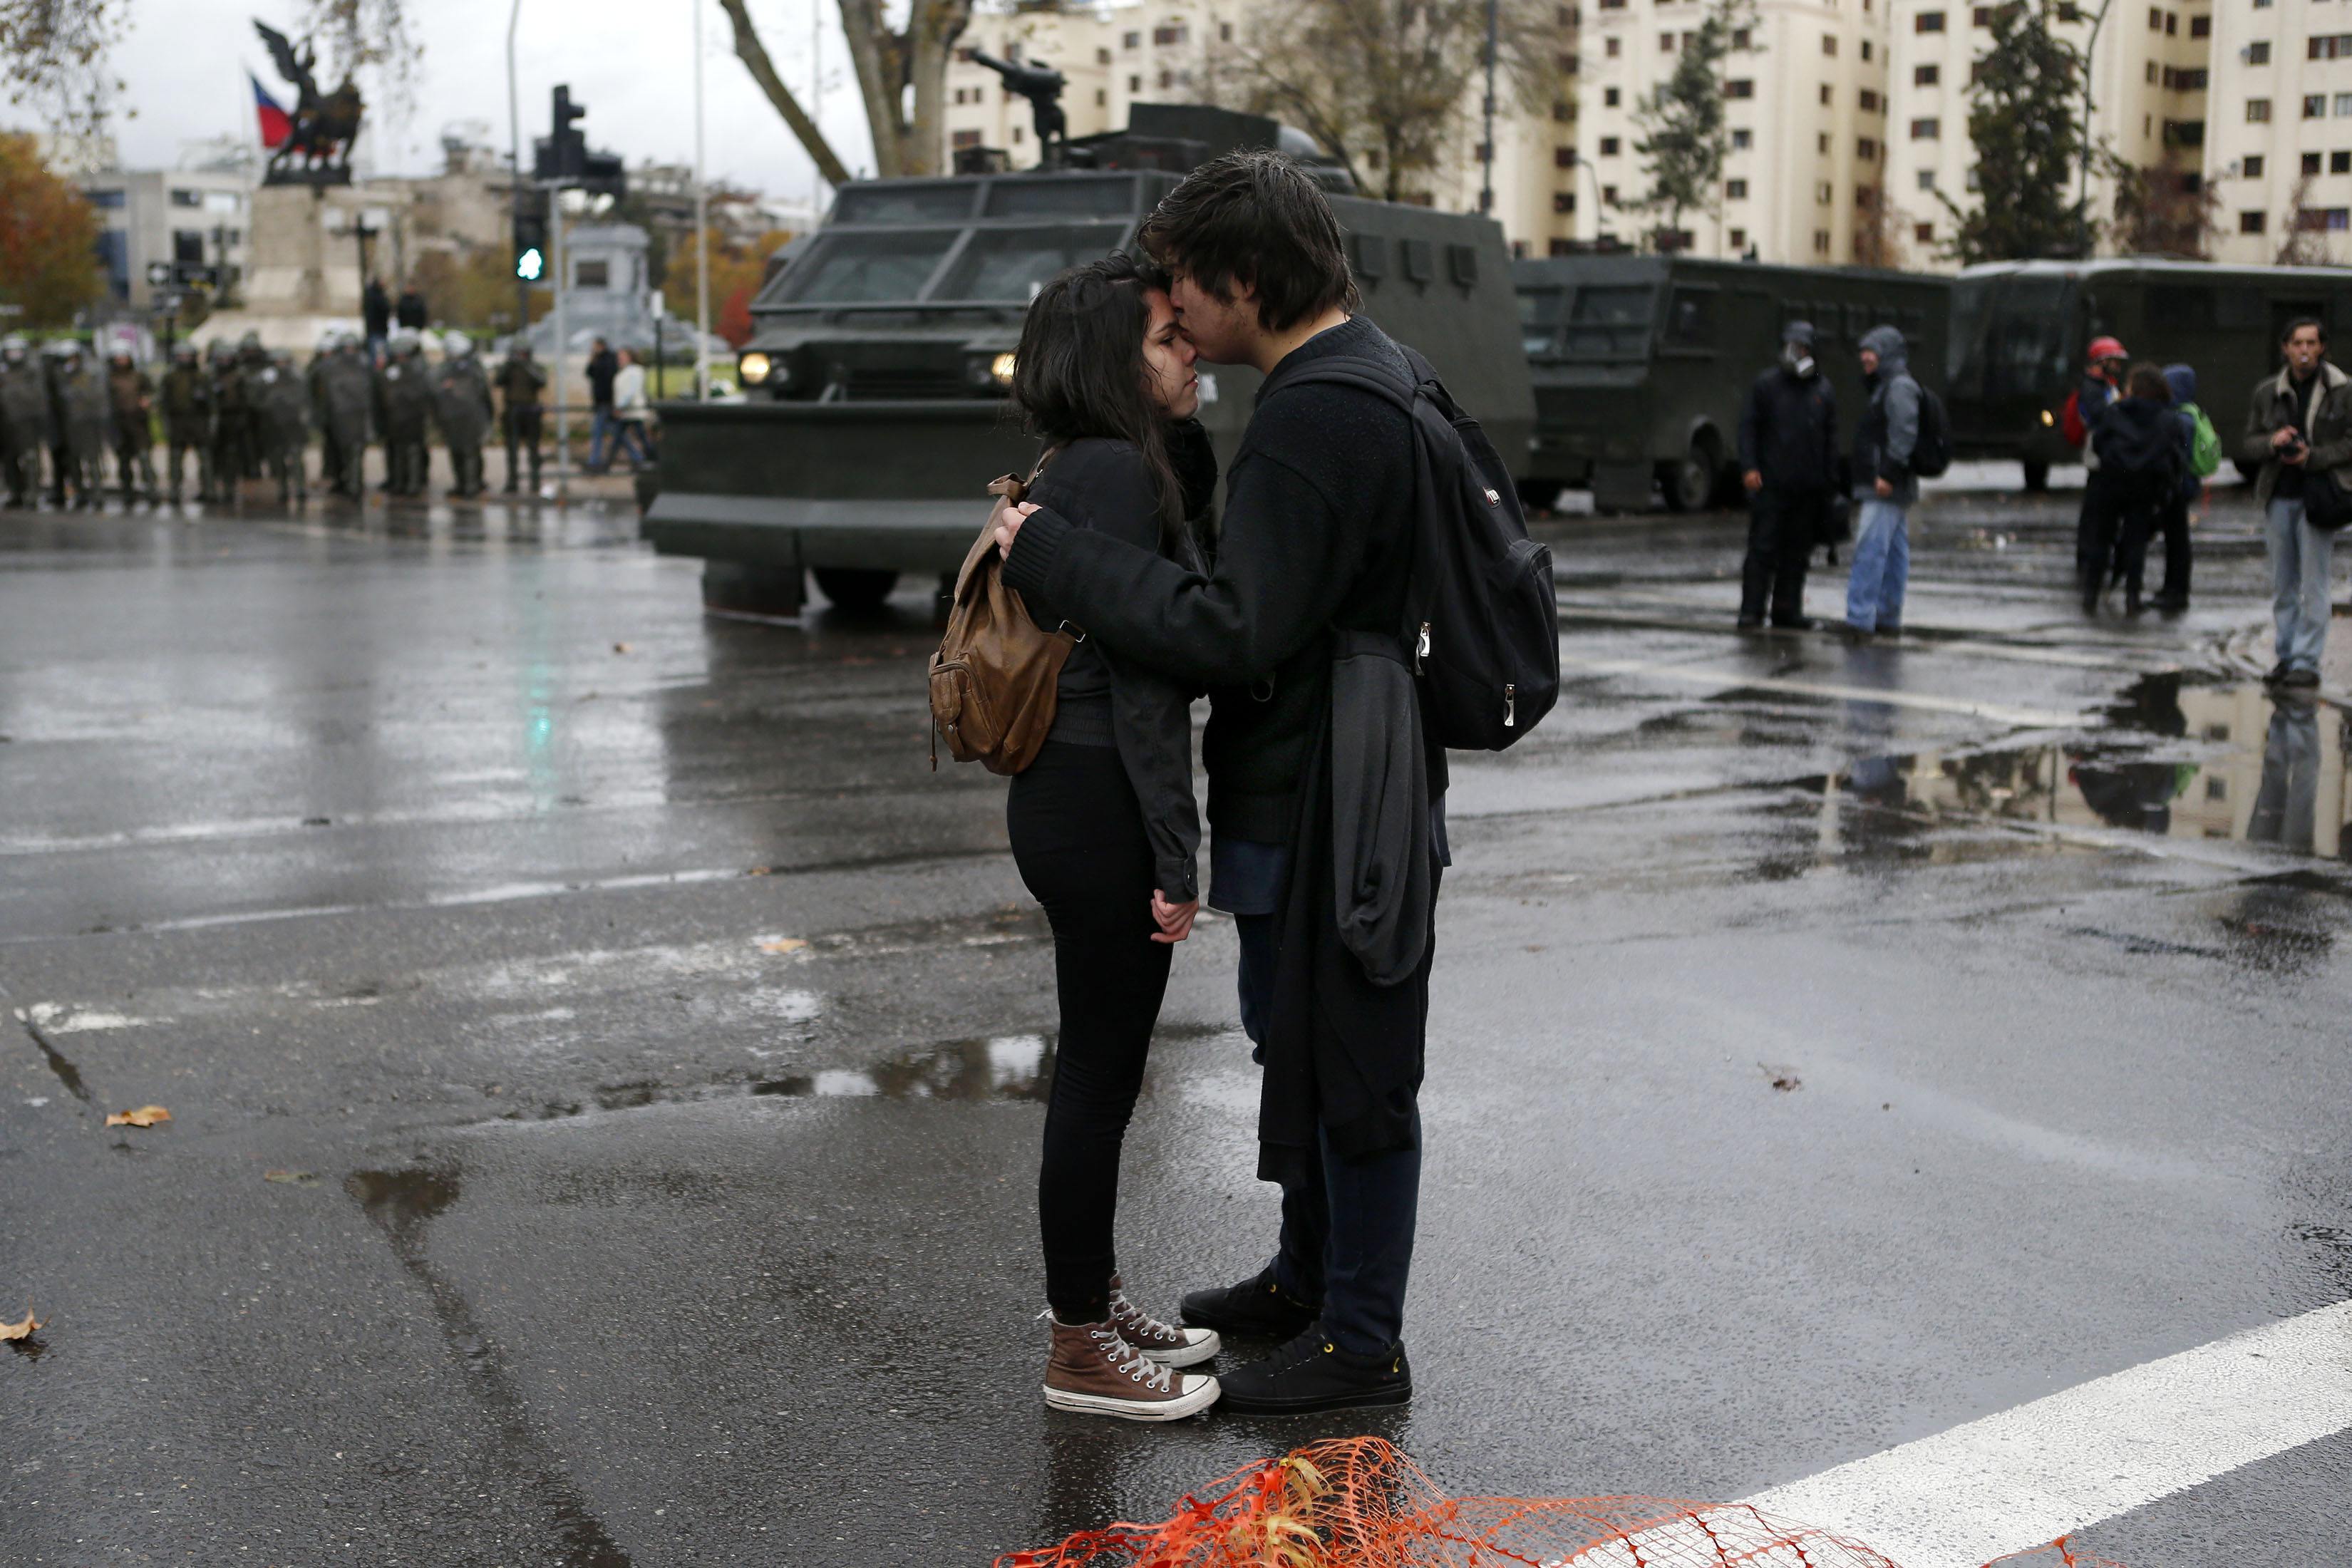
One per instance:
(1665,43)
(1928,22)
(1927,131)
(1102,97)
(188,247)
(1926,75)
(1608,196)
(1829,44)
(2151,73)
(2259,53)
(187,198)
(1735,190)
(1740,87)
(1131,40)
(1926,179)
(1016,136)
(1738,239)
(1611,47)
(1224,31)
(2200,27)
(965,139)
(1135,84)
(2326,47)
(1822,144)
(1563,201)
(1739,37)
(1563,157)
(1866,51)
(2339,162)
(1826,95)
(2252,166)
(2156,18)
(2253,222)
(1742,139)
(1820,242)
(1609,146)
(2258,111)
(1867,100)
(2343,104)
(1823,195)
(1866,149)
(1610,96)
(1924,233)
(1165,35)
(1981,17)
(1102,56)
(2315,106)
(2172,24)
(1563,110)
(2311,162)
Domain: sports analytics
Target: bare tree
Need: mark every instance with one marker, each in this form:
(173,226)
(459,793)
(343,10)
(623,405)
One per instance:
(1379,84)
(2304,242)
(902,75)
(1878,228)
(2163,210)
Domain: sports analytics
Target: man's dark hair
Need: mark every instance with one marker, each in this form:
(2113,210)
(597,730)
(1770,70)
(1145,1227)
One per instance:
(2147,383)
(2302,322)
(1260,219)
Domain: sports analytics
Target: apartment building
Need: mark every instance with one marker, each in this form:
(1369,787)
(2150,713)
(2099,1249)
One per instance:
(1163,51)
(2278,144)
(1805,91)
(2149,68)
(194,221)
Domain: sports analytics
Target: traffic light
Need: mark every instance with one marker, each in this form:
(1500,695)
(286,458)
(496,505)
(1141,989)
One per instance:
(530,246)
(562,157)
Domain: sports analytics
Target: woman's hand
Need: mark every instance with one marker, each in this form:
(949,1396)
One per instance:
(1008,529)
(1175,920)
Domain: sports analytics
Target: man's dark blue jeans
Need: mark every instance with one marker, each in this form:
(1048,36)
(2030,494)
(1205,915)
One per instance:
(1346,1224)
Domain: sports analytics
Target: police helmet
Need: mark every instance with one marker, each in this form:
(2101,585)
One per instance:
(250,343)
(183,352)
(14,347)
(457,345)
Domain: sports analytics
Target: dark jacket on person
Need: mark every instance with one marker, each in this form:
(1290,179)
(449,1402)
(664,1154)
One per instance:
(1889,431)
(410,311)
(24,406)
(2321,409)
(603,366)
(2094,397)
(520,381)
(132,394)
(375,309)
(2139,443)
(461,401)
(1106,699)
(1788,431)
(1317,541)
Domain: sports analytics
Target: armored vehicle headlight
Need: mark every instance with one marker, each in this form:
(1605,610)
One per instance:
(2048,418)
(753,368)
(1001,370)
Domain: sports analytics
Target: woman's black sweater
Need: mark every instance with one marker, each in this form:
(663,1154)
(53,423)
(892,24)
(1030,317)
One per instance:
(1103,699)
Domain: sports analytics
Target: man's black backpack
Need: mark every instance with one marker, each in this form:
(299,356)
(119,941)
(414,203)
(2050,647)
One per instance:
(1481,619)
(1932,453)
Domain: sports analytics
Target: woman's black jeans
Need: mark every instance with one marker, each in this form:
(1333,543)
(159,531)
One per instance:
(1078,837)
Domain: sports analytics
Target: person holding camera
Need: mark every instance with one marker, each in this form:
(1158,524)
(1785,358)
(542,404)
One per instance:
(2298,428)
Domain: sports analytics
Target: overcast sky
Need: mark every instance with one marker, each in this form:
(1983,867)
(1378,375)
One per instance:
(630,61)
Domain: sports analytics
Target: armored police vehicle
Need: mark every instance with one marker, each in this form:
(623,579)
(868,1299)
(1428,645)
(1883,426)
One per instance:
(2019,330)
(875,409)
(1640,363)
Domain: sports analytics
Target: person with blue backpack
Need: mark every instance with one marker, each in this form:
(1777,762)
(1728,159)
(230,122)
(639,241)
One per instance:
(1373,599)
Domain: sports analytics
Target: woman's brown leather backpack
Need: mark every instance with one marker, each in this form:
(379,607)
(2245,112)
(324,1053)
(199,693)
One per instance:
(993,677)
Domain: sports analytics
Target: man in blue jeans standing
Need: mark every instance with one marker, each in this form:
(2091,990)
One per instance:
(2299,427)
(603,366)
(1885,487)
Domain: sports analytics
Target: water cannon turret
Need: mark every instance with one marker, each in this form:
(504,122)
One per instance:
(1042,86)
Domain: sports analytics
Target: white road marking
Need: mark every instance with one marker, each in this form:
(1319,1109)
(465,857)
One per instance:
(1729,679)
(2023,1477)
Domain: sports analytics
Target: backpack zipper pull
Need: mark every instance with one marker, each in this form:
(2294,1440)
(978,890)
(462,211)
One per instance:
(1510,707)
(1420,649)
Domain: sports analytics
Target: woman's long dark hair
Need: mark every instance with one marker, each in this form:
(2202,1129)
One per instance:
(1080,371)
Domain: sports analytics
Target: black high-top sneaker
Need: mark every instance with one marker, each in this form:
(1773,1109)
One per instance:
(1311,1373)
(1257,1306)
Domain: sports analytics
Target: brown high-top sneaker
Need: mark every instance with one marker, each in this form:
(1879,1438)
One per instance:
(1163,1343)
(1093,1370)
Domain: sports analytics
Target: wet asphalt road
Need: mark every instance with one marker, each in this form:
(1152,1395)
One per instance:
(604,1062)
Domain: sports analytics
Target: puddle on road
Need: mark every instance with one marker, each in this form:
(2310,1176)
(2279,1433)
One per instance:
(1008,1066)
(2182,761)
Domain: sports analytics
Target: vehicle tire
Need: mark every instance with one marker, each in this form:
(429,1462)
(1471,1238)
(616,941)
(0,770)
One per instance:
(2037,476)
(1539,495)
(855,588)
(1689,484)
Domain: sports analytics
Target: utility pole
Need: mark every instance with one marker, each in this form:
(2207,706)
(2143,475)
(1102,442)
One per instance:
(562,344)
(2083,192)
(1487,156)
(516,199)
(701,231)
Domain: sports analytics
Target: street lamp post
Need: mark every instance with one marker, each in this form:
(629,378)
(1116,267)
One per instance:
(2083,190)
(1487,151)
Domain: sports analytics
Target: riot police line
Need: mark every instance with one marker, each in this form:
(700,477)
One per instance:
(233,417)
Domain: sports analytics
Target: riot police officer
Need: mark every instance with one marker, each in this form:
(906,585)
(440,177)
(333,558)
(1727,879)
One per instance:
(314,389)
(461,408)
(284,406)
(520,383)
(346,386)
(131,397)
(24,420)
(404,392)
(252,361)
(188,421)
(83,409)
(228,420)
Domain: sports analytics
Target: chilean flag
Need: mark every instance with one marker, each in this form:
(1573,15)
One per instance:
(276,126)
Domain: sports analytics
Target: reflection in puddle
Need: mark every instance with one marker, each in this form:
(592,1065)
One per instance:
(2244,768)
(1009,1066)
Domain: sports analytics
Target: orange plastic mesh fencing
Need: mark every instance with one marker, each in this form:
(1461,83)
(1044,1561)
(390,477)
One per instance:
(1357,1502)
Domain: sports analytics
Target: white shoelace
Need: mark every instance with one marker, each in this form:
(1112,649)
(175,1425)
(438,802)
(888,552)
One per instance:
(1122,1357)
(1128,1315)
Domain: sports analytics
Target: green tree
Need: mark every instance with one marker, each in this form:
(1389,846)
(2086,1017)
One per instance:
(1685,136)
(2025,124)
(48,239)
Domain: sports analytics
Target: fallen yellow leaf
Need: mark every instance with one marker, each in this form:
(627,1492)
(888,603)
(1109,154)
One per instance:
(782,943)
(145,1116)
(23,1331)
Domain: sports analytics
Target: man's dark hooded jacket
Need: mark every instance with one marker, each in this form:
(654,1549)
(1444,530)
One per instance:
(1788,431)
(2138,439)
